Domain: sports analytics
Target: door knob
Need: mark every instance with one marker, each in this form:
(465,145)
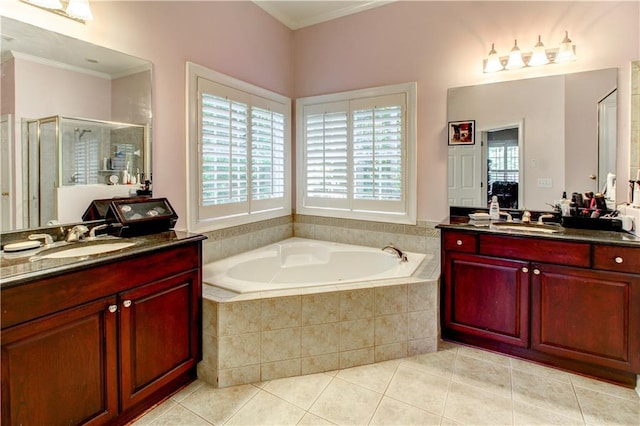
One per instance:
(592,177)
(126,303)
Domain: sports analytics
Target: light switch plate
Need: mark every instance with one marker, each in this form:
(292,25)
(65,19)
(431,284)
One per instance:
(545,183)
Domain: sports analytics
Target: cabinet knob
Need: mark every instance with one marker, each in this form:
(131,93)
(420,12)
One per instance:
(459,242)
(126,303)
(618,259)
(536,271)
(113,308)
(525,269)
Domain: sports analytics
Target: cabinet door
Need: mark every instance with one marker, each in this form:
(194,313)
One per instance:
(586,315)
(487,297)
(61,369)
(159,335)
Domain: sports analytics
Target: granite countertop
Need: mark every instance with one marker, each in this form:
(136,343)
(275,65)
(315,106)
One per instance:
(567,234)
(17,268)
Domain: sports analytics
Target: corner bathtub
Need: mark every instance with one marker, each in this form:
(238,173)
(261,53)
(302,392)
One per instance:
(312,306)
(300,263)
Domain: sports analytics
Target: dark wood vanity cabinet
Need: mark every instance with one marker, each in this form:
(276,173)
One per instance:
(574,305)
(487,297)
(102,344)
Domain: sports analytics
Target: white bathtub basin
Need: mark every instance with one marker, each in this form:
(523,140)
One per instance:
(299,262)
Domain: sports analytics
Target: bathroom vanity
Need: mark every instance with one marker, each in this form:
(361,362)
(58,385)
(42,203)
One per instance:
(102,338)
(569,299)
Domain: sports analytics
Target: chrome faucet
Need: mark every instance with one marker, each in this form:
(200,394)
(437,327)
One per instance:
(508,216)
(92,233)
(48,239)
(542,217)
(402,256)
(76,233)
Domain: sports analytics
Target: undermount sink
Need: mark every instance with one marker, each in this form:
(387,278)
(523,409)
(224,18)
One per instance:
(522,226)
(85,250)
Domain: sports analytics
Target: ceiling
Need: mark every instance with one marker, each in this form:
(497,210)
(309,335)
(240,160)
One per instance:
(299,14)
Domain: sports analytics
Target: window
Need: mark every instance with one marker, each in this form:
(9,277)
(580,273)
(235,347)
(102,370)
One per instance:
(357,154)
(238,160)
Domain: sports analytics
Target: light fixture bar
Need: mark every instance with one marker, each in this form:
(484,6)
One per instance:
(78,10)
(539,56)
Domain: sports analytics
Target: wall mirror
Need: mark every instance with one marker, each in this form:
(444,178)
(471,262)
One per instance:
(534,139)
(74,117)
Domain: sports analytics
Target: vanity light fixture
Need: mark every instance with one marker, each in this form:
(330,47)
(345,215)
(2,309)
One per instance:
(78,10)
(539,56)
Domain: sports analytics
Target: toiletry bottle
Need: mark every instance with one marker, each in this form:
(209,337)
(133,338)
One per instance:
(494,208)
(636,194)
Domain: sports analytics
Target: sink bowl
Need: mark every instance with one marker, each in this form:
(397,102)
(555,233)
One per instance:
(88,250)
(528,227)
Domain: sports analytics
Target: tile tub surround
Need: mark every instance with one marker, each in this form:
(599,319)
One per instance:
(420,238)
(251,340)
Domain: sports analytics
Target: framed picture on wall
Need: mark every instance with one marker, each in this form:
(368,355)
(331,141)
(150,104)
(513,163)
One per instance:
(462,132)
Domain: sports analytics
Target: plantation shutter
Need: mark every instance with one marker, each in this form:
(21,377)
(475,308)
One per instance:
(327,155)
(268,167)
(223,149)
(379,153)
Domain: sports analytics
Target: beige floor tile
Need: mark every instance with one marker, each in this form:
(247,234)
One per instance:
(437,363)
(484,355)
(267,409)
(604,409)
(468,405)
(346,404)
(392,412)
(604,387)
(448,422)
(187,390)
(218,405)
(301,391)
(545,393)
(375,377)
(525,415)
(540,370)
(180,416)
(488,376)
(153,414)
(313,420)
(419,389)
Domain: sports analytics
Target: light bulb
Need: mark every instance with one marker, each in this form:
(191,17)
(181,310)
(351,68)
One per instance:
(565,53)
(539,55)
(515,58)
(79,9)
(493,61)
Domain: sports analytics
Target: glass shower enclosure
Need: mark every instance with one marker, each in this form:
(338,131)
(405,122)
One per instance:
(72,159)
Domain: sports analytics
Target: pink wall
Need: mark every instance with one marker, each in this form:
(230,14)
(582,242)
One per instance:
(442,44)
(437,44)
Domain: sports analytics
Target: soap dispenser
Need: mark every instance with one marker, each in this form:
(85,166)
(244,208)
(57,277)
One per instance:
(494,208)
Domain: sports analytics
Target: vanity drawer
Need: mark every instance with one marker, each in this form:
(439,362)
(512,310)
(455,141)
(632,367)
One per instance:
(537,250)
(460,241)
(617,258)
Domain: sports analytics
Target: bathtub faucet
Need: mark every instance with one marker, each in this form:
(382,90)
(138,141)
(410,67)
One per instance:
(397,251)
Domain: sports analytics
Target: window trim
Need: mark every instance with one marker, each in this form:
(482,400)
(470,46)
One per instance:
(195,223)
(409,216)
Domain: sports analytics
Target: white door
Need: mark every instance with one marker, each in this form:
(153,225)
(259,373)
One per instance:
(464,175)
(6,174)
